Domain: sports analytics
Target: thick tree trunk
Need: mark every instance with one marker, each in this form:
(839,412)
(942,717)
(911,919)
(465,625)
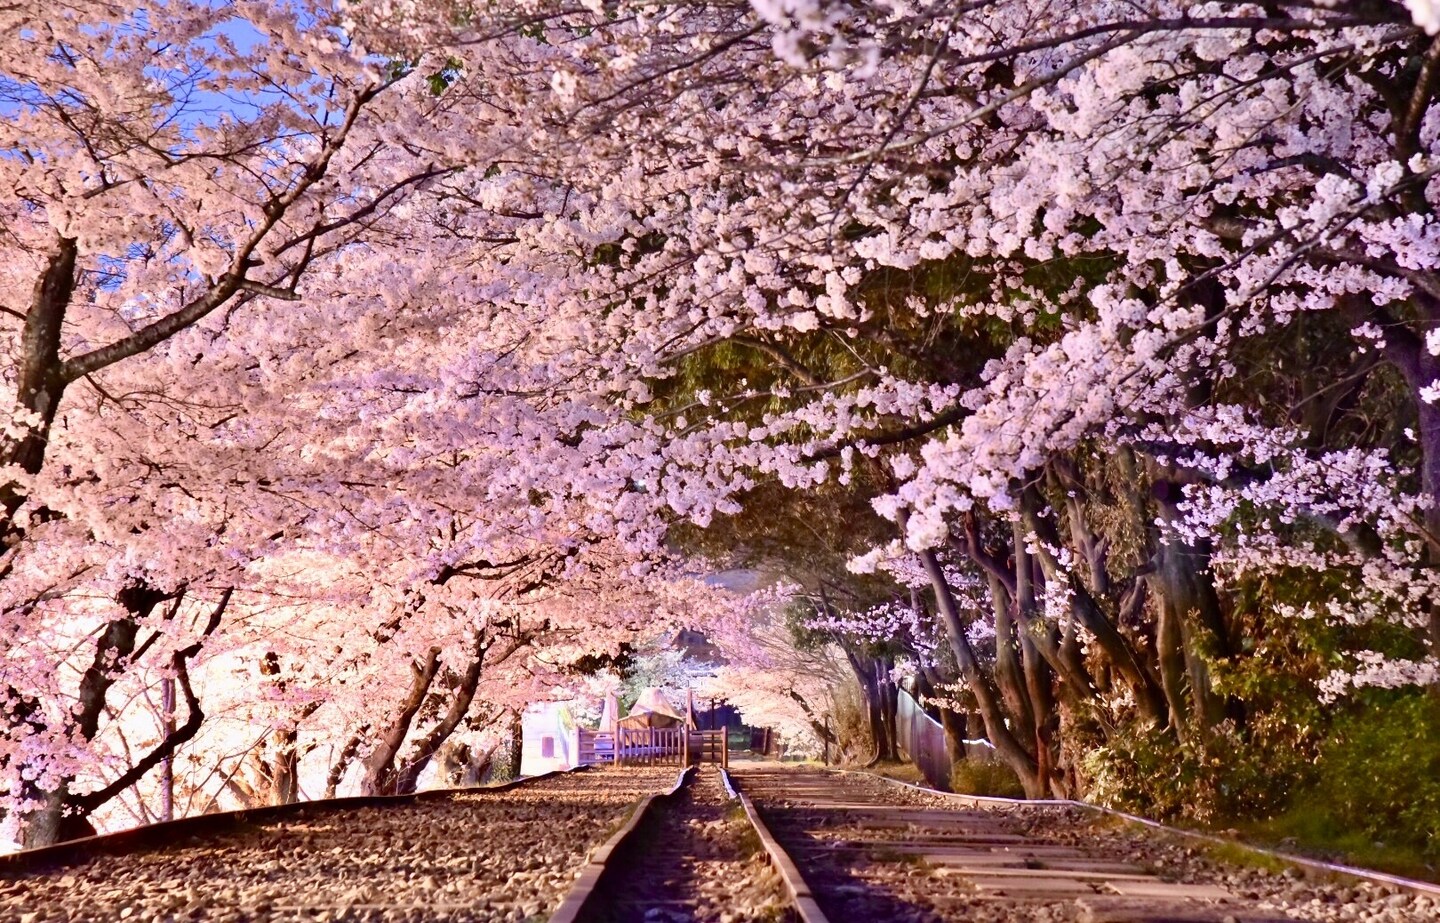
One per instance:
(1191,613)
(873,679)
(1009,677)
(285,769)
(1037,672)
(40,383)
(887,747)
(409,777)
(1170,654)
(1009,749)
(379,778)
(1148,696)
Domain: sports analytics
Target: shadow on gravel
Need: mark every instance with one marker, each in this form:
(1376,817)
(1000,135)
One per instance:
(672,871)
(842,894)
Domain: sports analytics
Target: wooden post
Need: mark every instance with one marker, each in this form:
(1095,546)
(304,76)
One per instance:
(619,746)
(167,765)
(725,747)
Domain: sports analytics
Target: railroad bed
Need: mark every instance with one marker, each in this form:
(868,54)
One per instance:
(871,850)
(474,856)
(694,857)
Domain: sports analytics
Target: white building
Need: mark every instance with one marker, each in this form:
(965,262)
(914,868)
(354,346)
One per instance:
(550,738)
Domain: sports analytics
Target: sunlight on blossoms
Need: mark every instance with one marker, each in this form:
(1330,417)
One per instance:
(1037,401)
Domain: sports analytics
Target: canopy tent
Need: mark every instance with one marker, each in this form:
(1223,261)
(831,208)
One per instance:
(610,714)
(653,711)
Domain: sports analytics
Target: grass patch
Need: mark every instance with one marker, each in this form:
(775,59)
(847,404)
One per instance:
(982,777)
(901,772)
(1236,854)
(747,840)
(1314,832)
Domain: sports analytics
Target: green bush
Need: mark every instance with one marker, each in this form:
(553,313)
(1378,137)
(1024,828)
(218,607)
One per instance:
(1365,788)
(985,777)
(1379,774)
(1207,780)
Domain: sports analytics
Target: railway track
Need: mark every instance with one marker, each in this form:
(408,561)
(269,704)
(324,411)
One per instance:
(472,855)
(869,850)
(692,857)
(614,845)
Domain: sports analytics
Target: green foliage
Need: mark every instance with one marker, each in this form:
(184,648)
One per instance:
(1379,774)
(1225,774)
(440,80)
(1250,765)
(1362,784)
(985,777)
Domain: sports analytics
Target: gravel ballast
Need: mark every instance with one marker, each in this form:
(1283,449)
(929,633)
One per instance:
(694,858)
(874,850)
(474,856)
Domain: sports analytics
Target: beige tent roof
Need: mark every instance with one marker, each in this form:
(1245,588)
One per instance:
(653,700)
(653,710)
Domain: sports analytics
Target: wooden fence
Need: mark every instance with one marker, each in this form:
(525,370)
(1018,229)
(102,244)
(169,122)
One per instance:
(653,747)
(595,747)
(711,746)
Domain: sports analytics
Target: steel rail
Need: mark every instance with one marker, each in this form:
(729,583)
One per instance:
(1416,886)
(578,900)
(167,833)
(801,897)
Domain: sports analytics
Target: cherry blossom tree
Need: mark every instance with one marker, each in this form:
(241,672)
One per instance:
(1005,255)
(388,356)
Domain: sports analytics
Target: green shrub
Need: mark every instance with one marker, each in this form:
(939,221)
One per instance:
(1365,789)
(1206,780)
(985,777)
(1379,774)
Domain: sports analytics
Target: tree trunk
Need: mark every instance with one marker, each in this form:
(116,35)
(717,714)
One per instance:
(379,776)
(285,769)
(887,747)
(953,723)
(1009,749)
(40,383)
(47,824)
(1190,609)
(342,762)
(817,723)
(1148,696)
(464,695)
(167,766)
